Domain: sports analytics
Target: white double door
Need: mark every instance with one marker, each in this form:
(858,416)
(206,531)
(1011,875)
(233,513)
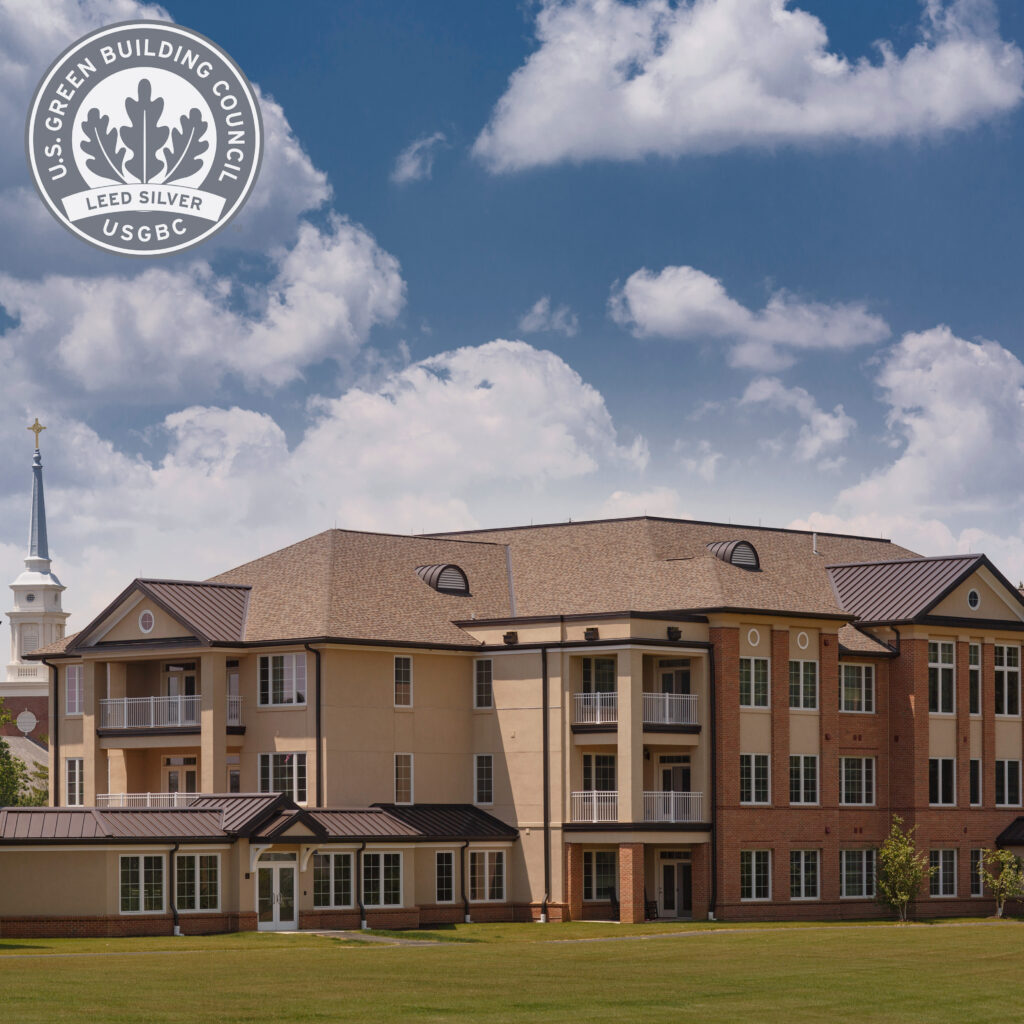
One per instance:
(275,897)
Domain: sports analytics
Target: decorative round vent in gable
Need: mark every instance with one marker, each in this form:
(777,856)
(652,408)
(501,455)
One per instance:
(736,552)
(445,579)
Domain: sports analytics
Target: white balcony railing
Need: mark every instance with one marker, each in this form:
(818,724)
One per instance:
(160,712)
(595,709)
(234,710)
(673,807)
(670,709)
(595,805)
(157,800)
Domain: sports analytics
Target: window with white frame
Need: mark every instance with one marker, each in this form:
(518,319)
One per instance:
(197,881)
(857,692)
(403,779)
(1008,783)
(941,780)
(600,675)
(803,874)
(803,778)
(803,684)
(282,679)
(600,874)
(483,778)
(754,781)
(74,781)
(943,865)
(599,772)
(857,874)
(974,677)
(975,773)
(73,690)
(403,681)
(755,874)
(483,684)
(856,780)
(753,682)
(382,879)
(142,884)
(1007,680)
(940,677)
(487,876)
(332,880)
(444,877)
(284,773)
(977,881)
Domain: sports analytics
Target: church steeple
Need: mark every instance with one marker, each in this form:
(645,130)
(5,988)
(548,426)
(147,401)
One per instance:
(37,543)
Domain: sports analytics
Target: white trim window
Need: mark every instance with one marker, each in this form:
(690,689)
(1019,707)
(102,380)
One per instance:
(943,865)
(803,778)
(755,875)
(1007,674)
(197,881)
(977,882)
(73,690)
(1007,783)
(857,874)
(974,677)
(803,684)
(755,779)
(332,880)
(444,877)
(403,779)
(403,681)
(754,687)
(487,876)
(600,874)
(483,683)
(941,781)
(483,779)
(282,680)
(856,780)
(804,874)
(382,879)
(284,772)
(141,879)
(857,693)
(975,781)
(941,678)
(74,781)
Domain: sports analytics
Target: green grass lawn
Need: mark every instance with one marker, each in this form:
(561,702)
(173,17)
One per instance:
(516,972)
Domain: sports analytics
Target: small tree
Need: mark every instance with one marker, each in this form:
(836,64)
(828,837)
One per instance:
(1005,880)
(36,788)
(901,869)
(13,776)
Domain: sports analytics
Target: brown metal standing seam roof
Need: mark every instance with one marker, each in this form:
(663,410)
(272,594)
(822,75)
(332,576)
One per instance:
(217,611)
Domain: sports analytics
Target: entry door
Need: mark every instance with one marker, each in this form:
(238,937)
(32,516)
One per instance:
(669,890)
(675,778)
(675,680)
(275,897)
(181,780)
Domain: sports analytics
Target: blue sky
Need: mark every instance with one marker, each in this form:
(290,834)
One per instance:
(778,276)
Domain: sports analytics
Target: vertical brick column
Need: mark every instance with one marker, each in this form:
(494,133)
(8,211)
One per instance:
(908,696)
(701,872)
(988,726)
(779,703)
(963,727)
(727,714)
(574,881)
(828,717)
(631,883)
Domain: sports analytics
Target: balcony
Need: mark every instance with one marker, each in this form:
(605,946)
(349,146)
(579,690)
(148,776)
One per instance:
(595,709)
(594,805)
(671,709)
(136,800)
(674,808)
(181,712)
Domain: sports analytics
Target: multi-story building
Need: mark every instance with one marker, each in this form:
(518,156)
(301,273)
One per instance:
(626,718)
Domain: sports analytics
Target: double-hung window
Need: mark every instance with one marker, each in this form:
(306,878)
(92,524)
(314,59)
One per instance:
(74,782)
(332,880)
(974,677)
(941,780)
(856,780)
(803,684)
(1008,783)
(755,874)
(600,874)
(73,690)
(803,874)
(403,682)
(857,692)
(483,684)
(975,772)
(403,779)
(753,682)
(483,781)
(487,876)
(282,679)
(382,879)
(943,865)
(1007,680)
(444,877)
(977,863)
(940,677)
(284,773)
(754,783)
(857,874)
(142,884)
(197,881)
(803,778)
(599,772)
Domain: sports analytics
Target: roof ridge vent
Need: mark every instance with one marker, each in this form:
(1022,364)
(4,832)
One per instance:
(445,578)
(740,553)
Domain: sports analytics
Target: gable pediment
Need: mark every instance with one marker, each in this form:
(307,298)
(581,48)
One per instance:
(127,619)
(983,596)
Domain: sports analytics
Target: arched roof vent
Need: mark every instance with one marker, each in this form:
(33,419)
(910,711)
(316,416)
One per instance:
(445,579)
(736,552)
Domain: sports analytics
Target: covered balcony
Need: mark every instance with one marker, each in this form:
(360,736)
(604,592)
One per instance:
(673,807)
(179,712)
(594,805)
(136,800)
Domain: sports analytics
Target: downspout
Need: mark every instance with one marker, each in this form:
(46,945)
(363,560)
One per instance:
(899,639)
(319,732)
(55,738)
(462,873)
(545,729)
(172,878)
(714,789)
(359,886)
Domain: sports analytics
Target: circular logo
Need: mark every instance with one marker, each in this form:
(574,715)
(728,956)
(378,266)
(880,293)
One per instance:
(26,722)
(144,138)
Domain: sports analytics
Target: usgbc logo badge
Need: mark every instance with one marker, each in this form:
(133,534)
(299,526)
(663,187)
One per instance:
(144,138)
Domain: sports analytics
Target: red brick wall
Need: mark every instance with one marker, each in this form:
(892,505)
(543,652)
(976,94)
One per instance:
(39,706)
(574,880)
(631,883)
(779,701)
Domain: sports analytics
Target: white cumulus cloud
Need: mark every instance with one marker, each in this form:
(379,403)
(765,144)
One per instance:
(657,501)
(542,316)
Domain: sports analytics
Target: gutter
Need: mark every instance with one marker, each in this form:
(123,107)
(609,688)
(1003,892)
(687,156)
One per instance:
(55,738)
(172,879)
(545,729)
(714,790)
(319,732)
(359,886)
(462,873)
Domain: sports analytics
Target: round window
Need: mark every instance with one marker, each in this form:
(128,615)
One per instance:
(147,621)
(30,598)
(803,641)
(753,638)
(973,598)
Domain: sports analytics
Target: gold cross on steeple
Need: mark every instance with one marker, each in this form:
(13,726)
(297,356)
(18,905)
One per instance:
(37,428)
